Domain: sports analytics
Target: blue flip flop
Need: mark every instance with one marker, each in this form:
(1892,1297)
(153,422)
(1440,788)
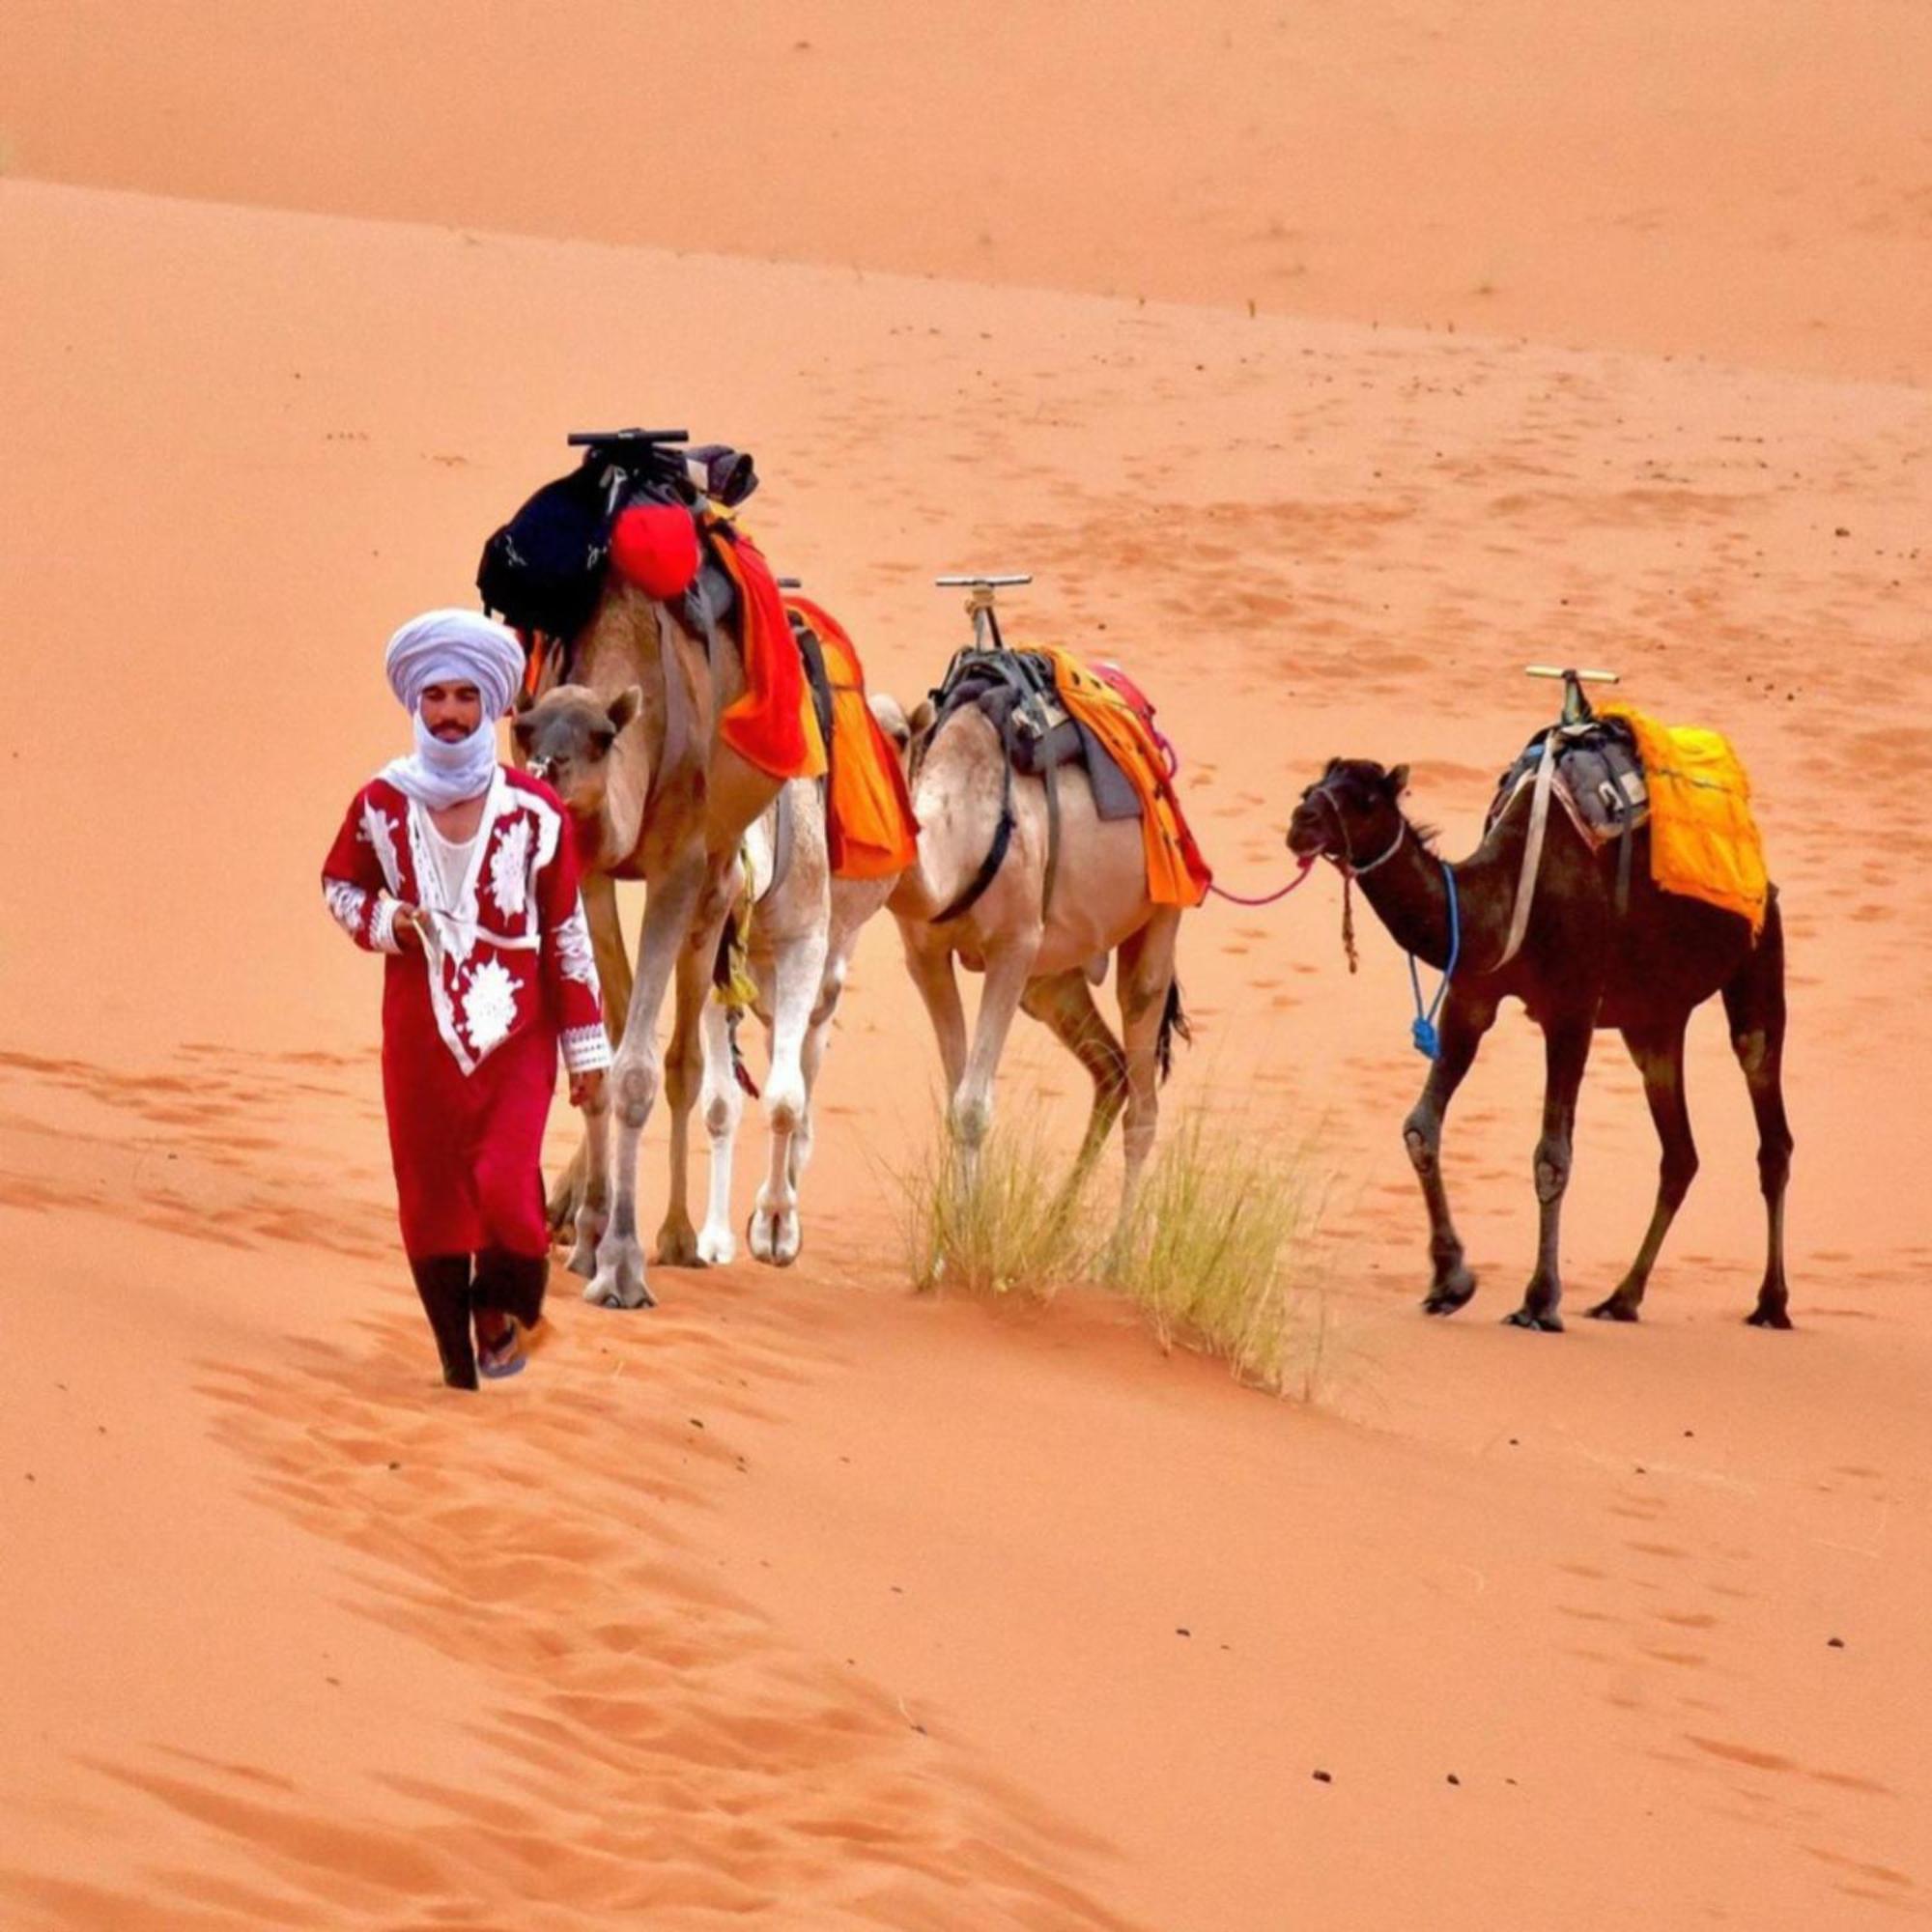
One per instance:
(504,1357)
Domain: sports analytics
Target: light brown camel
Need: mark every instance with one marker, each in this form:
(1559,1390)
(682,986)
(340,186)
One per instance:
(800,923)
(1037,953)
(668,803)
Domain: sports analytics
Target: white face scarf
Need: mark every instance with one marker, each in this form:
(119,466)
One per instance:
(450,647)
(438,775)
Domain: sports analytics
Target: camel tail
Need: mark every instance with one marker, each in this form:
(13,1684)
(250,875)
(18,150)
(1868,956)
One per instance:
(1172,1022)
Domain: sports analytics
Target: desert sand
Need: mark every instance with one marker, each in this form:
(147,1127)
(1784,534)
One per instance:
(801,1601)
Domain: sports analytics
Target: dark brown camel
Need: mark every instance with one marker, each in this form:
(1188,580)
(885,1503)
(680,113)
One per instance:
(1580,966)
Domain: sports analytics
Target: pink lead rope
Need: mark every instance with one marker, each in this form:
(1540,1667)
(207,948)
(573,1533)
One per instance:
(1138,702)
(1268,899)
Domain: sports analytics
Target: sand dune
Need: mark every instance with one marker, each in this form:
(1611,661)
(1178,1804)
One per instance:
(797,1601)
(1713,179)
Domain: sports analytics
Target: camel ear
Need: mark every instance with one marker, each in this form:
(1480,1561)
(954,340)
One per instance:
(924,715)
(625,706)
(1397,782)
(522,700)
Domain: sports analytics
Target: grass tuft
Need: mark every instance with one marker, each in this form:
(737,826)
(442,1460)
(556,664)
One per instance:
(1013,1231)
(1214,1253)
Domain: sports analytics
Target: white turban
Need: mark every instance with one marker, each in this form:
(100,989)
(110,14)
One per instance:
(452,647)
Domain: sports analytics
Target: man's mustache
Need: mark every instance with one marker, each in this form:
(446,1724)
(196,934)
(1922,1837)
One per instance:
(449,732)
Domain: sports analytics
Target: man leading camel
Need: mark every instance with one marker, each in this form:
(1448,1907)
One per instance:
(464,872)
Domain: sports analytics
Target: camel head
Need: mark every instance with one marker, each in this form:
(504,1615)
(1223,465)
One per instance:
(891,719)
(1351,814)
(565,738)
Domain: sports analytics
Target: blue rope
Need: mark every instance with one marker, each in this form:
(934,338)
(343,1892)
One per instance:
(1428,1042)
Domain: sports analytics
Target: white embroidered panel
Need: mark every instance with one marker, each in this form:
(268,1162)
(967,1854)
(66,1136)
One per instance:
(586,1049)
(510,868)
(381,833)
(574,952)
(488,1006)
(348,903)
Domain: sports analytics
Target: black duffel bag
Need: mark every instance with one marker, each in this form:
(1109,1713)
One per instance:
(543,570)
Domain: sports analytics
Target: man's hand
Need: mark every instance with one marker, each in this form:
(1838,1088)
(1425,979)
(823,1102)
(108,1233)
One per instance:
(587,1091)
(407,929)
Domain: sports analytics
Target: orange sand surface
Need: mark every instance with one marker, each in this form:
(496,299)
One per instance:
(797,1601)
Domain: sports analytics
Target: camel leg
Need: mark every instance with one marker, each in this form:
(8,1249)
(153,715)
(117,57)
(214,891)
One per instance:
(1009,968)
(637,1074)
(1465,1022)
(1566,1050)
(1144,976)
(1754,1006)
(723,1100)
(931,969)
(817,1043)
(683,1065)
(614,981)
(593,1213)
(1064,1002)
(798,971)
(1660,1059)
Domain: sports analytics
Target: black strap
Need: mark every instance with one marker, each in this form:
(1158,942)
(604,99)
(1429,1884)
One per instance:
(995,853)
(1020,676)
(1050,778)
(818,681)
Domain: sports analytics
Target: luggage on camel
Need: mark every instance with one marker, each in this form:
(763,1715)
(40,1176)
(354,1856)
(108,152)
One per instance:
(1704,842)
(643,505)
(1050,710)
(1617,771)
(543,571)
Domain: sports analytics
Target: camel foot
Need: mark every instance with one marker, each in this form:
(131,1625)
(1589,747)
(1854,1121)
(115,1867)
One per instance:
(1762,1317)
(677,1247)
(619,1281)
(566,1200)
(583,1255)
(1451,1293)
(1528,1317)
(1617,1307)
(775,1238)
(717,1245)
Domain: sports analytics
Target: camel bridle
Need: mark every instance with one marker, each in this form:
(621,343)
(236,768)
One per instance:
(1344,862)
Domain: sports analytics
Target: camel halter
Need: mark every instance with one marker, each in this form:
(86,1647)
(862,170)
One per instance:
(1349,869)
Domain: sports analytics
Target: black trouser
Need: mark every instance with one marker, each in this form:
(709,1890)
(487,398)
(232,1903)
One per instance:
(507,1284)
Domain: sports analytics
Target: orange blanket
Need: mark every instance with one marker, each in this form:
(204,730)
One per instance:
(869,824)
(770,725)
(1177,873)
(1703,841)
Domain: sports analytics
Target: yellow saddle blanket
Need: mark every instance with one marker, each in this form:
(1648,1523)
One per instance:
(1703,841)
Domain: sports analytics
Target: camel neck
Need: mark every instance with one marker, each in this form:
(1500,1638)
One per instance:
(1409,893)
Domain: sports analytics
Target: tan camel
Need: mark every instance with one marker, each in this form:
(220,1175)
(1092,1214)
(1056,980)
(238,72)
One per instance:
(656,796)
(801,925)
(1043,956)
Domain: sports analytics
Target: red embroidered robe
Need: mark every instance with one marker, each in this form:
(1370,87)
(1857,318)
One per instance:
(471,1027)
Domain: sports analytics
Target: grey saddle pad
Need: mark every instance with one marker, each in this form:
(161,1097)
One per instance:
(1599,778)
